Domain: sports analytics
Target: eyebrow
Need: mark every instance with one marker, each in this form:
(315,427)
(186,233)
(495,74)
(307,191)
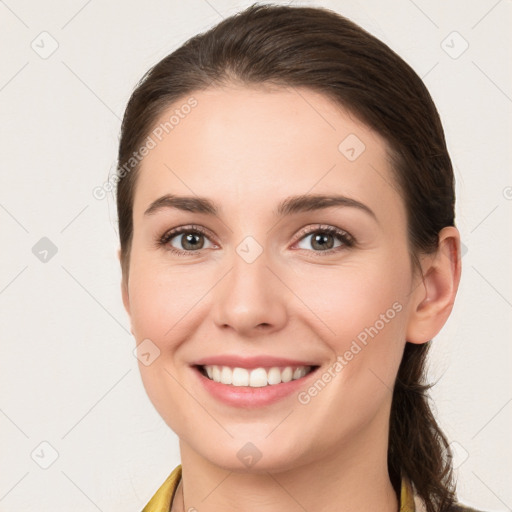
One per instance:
(289,206)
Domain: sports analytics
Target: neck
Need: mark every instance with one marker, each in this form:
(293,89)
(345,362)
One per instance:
(354,479)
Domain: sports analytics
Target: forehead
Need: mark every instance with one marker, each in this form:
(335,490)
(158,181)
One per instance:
(259,144)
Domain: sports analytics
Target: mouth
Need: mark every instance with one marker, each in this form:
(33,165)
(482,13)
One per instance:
(254,377)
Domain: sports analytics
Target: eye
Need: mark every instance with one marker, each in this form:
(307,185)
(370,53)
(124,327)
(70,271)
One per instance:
(185,240)
(189,240)
(325,239)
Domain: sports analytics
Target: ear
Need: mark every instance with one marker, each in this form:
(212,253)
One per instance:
(434,295)
(124,289)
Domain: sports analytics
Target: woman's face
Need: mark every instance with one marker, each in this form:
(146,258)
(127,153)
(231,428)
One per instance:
(266,280)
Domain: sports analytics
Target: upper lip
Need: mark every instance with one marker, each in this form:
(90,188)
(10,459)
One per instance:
(262,361)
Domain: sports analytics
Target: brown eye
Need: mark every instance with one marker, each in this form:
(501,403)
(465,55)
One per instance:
(322,241)
(325,239)
(190,241)
(185,240)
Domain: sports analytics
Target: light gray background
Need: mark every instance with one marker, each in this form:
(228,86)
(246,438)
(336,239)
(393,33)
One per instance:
(69,378)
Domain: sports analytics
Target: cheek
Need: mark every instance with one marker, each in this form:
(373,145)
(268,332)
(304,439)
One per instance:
(361,311)
(162,304)
(162,298)
(363,315)
(349,298)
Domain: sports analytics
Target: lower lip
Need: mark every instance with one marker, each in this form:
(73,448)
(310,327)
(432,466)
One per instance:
(249,397)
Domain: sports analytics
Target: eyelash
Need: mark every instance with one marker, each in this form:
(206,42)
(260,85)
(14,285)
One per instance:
(346,239)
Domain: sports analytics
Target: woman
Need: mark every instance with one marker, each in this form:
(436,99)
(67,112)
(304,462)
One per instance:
(288,248)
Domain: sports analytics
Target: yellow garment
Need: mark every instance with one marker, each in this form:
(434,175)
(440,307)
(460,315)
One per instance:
(162,499)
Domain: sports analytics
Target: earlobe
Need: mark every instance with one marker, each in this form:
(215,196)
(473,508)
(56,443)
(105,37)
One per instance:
(126,297)
(126,302)
(124,291)
(433,299)
(124,287)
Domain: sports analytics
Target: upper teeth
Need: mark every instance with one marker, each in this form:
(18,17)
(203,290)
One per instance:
(257,377)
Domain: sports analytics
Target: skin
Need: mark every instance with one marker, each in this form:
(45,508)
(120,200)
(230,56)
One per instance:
(247,149)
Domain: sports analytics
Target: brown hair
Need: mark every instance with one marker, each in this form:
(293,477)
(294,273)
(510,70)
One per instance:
(319,49)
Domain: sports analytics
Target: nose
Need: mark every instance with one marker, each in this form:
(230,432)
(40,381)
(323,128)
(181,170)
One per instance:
(251,299)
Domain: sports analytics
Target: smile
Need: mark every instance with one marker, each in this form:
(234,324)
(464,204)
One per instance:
(256,377)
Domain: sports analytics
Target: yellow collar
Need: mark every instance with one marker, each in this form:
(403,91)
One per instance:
(162,499)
